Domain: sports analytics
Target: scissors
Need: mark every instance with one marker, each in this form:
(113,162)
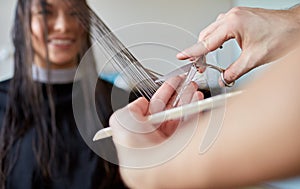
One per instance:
(191,70)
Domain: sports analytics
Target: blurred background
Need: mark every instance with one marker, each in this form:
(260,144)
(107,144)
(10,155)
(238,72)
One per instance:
(166,26)
(154,31)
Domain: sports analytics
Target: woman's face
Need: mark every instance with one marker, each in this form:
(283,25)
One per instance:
(65,34)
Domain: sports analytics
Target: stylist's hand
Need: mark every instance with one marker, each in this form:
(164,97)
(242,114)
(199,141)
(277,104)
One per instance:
(130,127)
(263,35)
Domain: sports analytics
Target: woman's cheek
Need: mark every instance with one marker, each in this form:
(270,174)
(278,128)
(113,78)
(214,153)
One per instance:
(36,28)
(37,36)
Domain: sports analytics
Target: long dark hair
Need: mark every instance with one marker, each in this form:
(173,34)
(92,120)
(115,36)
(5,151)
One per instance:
(24,110)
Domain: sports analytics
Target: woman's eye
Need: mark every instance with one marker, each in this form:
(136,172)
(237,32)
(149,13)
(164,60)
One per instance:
(74,13)
(45,12)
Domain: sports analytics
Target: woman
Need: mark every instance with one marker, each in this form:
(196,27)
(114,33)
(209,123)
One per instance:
(40,146)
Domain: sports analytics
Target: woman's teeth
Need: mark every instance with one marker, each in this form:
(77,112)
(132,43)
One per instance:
(61,42)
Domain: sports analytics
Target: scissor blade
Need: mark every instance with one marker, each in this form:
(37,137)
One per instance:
(178,71)
(187,81)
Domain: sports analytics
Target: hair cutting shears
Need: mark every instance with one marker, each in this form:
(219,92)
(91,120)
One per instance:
(191,69)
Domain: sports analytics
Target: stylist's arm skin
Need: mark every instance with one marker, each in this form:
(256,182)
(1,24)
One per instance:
(259,140)
(263,35)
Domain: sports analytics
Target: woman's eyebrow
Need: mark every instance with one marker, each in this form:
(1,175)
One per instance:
(42,4)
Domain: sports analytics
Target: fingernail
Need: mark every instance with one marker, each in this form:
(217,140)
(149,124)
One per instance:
(181,55)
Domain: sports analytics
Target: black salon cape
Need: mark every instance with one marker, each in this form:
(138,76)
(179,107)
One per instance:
(87,170)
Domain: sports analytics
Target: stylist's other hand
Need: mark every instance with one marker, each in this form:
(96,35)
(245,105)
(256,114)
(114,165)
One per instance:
(263,35)
(130,126)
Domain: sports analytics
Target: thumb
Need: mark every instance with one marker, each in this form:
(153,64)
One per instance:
(125,119)
(139,106)
(237,69)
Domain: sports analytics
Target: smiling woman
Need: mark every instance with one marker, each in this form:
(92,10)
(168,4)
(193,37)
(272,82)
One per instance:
(65,34)
(40,146)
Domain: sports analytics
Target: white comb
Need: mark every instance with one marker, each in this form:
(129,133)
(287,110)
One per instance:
(178,112)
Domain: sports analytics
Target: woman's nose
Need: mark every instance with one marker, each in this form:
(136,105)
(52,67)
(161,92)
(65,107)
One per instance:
(62,23)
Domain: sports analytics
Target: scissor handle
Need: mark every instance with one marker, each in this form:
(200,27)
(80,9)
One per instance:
(224,82)
(221,70)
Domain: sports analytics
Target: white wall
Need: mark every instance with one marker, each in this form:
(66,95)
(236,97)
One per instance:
(6,12)
(6,17)
(274,4)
